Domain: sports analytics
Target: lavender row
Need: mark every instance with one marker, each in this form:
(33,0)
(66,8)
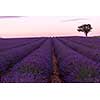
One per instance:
(88,39)
(12,56)
(7,45)
(86,42)
(93,54)
(6,42)
(75,67)
(35,68)
(10,41)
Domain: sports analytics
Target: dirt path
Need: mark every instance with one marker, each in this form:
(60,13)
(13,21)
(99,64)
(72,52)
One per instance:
(55,78)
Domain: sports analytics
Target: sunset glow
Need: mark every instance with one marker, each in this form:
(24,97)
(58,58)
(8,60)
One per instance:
(31,26)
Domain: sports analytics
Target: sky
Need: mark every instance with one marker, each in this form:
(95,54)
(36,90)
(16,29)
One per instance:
(31,26)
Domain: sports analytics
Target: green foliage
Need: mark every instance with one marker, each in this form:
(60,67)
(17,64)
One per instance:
(85,72)
(30,69)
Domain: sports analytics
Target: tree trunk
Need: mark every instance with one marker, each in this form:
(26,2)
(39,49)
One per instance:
(86,34)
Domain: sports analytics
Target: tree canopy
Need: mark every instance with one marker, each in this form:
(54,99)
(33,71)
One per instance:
(86,28)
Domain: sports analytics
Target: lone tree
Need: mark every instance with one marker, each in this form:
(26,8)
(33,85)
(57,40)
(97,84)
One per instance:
(86,28)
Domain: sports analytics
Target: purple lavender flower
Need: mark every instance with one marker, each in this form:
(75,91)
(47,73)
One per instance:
(83,50)
(75,67)
(36,67)
(10,57)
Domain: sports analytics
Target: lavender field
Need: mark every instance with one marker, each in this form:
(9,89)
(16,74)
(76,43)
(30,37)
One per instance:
(50,60)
